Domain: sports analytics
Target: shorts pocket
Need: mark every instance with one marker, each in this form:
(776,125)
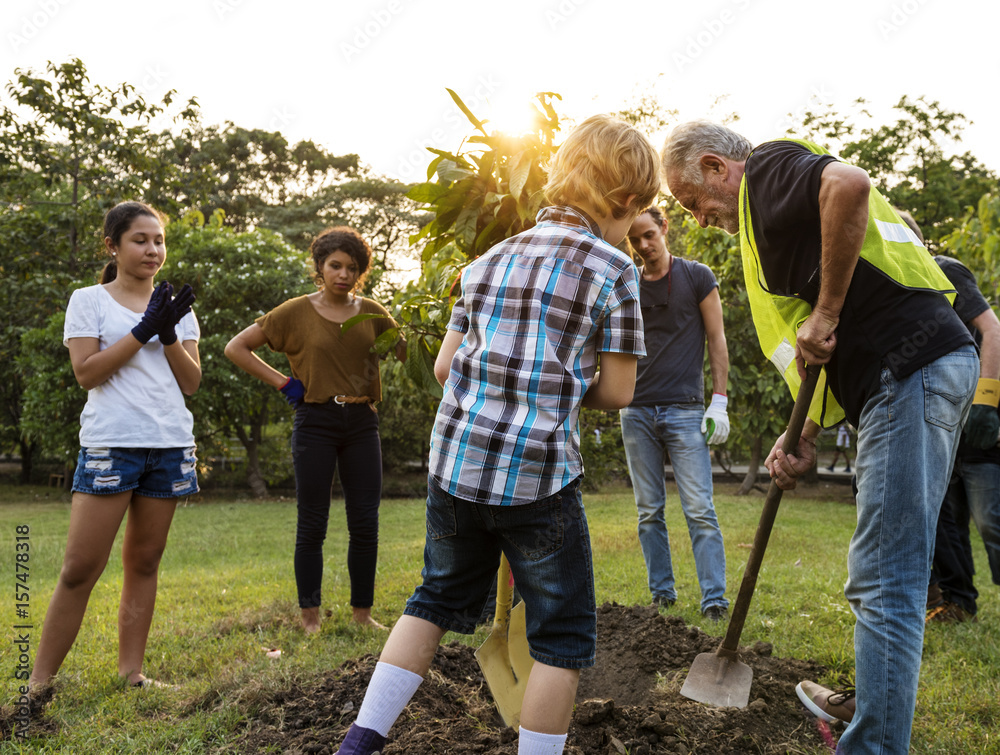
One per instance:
(441,519)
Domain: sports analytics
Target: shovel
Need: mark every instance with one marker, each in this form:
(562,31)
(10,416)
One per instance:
(504,656)
(719,678)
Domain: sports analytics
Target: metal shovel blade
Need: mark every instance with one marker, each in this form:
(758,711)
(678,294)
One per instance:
(504,656)
(718,680)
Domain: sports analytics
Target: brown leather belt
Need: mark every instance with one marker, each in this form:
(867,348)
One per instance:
(351,400)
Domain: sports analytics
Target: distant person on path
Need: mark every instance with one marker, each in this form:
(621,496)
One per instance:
(536,315)
(835,278)
(843,447)
(134,349)
(333,388)
(680,308)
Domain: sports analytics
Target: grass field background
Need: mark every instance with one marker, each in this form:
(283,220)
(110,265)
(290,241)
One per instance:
(227,595)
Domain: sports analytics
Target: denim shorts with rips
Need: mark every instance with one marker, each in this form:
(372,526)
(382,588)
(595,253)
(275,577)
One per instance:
(547,543)
(150,472)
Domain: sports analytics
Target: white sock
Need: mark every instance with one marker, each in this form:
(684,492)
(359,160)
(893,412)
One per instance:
(388,693)
(533,743)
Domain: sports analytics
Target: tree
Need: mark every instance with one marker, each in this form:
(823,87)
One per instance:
(247,172)
(68,150)
(237,277)
(976,243)
(479,196)
(909,160)
(490,191)
(53,399)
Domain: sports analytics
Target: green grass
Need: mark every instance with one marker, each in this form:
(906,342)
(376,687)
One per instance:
(227,593)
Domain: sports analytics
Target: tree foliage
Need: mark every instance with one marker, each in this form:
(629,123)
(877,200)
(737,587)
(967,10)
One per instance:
(69,149)
(911,160)
(237,277)
(490,190)
(976,243)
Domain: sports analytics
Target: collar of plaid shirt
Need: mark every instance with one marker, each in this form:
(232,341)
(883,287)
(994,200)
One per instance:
(569,216)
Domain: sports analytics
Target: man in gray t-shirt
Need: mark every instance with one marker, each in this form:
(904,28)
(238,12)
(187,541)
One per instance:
(681,308)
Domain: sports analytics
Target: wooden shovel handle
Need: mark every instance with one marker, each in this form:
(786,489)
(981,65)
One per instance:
(771,503)
(505,596)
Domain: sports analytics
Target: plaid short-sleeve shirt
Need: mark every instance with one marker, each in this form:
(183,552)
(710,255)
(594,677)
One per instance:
(535,311)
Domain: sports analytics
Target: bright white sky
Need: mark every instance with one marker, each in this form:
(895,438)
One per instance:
(369,76)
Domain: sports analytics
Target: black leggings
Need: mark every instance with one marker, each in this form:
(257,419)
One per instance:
(323,435)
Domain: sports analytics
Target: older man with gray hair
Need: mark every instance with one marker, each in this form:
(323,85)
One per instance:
(835,278)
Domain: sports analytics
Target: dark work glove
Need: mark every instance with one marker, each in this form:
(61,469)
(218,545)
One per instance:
(177,307)
(294,391)
(155,317)
(983,426)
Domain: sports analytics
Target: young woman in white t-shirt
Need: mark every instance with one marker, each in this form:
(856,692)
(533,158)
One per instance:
(134,348)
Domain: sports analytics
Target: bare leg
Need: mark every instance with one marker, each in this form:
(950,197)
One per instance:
(310,620)
(363,616)
(145,539)
(412,644)
(93,524)
(548,699)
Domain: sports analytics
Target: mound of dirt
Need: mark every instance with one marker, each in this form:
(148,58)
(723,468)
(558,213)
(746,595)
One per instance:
(628,703)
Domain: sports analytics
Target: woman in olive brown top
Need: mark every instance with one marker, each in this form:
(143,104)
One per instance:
(333,387)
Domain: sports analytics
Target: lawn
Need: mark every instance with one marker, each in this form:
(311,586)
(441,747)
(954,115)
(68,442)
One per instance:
(227,597)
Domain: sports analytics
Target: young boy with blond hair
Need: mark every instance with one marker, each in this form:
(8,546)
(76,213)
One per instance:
(519,360)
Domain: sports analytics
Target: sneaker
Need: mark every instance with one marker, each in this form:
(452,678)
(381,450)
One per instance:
(830,468)
(662,601)
(361,741)
(825,703)
(716,613)
(847,469)
(949,613)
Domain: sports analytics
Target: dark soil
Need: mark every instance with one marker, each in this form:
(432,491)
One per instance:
(630,702)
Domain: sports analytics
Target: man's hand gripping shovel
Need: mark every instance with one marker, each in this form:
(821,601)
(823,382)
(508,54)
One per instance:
(719,678)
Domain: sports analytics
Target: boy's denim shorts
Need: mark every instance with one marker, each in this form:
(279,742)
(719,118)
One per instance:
(150,472)
(548,546)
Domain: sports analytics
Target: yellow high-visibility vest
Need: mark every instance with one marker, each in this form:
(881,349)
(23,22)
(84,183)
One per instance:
(889,245)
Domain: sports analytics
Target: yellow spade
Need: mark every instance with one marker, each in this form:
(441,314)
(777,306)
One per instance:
(504,656)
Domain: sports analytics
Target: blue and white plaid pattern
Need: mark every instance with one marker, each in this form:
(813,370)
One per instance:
(535,310)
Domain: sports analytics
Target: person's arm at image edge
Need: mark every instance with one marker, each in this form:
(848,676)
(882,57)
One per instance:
(240,351)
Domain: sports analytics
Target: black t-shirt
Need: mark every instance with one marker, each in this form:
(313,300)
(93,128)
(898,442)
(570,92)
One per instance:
(672,372)
(969,304)
(882,324)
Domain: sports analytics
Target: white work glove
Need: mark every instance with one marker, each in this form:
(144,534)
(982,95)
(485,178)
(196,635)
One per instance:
(715,423)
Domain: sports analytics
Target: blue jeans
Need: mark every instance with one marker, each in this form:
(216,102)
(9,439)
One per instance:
(981,499)
(907,438)
(547,544)
(649,432)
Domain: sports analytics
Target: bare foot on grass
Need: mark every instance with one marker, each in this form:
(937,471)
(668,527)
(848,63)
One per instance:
(310,620)
(363,616)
